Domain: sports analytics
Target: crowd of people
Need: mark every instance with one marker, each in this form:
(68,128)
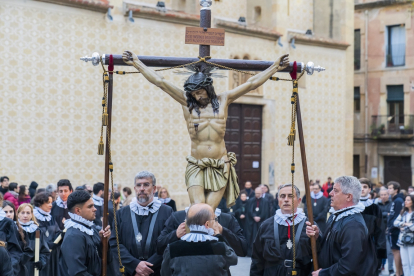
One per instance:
(357,228)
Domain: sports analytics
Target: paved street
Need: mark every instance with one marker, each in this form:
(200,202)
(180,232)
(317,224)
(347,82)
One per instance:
(243,268)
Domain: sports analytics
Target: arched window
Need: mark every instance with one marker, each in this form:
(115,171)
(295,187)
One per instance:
(257,14)
(236,79)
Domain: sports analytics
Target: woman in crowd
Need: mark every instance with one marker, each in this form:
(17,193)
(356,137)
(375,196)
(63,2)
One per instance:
(27,220)
(240,210)
(164,197)
(405,221)
(13,194)
(127,195)
(48,225)
(23,195)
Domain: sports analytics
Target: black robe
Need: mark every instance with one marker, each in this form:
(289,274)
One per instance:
(52,231)
(58,214)
(240,209)
(373,220)
(251,225)
(6,265)
(8,234)
(81,254)
(172,205)
(232,233)
(98,216)
(129,251)
(346,249)
(320,211)
(267,260)
(28,257)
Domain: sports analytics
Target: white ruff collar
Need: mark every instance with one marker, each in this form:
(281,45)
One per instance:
(281,218)
(366,201)
(217,212)
(29,227)
(98,201)
(164,200)
(199,237)
(317,196)
(144,211)
(356,209)
(61,203)
(41,215)
(69,223)
(2,214)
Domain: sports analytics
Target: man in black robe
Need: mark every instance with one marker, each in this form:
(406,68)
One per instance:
(373,219)
(139,226)
(59,208)
(345,248)
(257,212)
(320,207)
(8,235)
(273,246)
(98,201)
(226,225)
(82,247)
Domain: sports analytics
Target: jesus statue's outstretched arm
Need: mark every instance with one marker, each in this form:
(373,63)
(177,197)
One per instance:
(152,76)
(257,80)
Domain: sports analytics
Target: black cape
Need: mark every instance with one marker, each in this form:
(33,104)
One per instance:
(251,225)
(58,214)
(232,233)
(346,249)
(98,216)
(28,256)
(129,251)
(81,254)
(320,211)
(172,205)
(6,266)
(267,260)
(373,220)
(8,234)
(52,231)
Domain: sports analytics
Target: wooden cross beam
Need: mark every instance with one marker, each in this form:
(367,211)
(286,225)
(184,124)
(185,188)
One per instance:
(204,51)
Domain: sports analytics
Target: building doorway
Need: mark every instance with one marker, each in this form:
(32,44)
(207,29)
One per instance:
(244,137)
(398,168)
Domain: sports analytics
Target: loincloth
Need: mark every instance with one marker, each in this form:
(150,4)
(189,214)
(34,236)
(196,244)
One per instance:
(213,175)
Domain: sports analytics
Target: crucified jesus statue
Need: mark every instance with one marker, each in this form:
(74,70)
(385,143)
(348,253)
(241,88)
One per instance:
(210,172)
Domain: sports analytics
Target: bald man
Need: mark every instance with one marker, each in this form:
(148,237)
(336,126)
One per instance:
(257,211)
(207,254)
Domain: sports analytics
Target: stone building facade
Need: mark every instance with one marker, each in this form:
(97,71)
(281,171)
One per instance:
(51,101)
(383,91)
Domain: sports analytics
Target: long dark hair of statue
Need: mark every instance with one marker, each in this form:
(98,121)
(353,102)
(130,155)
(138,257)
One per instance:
(192,103)
(197,81)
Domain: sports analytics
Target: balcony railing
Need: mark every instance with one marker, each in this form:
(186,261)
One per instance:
(395,55)
(392,125)
(357,59)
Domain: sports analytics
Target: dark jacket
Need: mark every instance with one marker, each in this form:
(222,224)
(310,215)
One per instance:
(198,258)
(395,210)
(385,210)
(346,248)
(32,188)
(6,266)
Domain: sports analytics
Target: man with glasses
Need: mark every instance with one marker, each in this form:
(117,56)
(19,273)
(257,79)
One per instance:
(139,225)
(199,252)
(345,248)
(273,245)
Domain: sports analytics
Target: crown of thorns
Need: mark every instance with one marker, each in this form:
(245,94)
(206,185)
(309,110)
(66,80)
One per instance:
(197,81)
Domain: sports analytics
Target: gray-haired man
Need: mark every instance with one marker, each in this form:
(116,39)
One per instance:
(345,248)
(273,246)
(139,225)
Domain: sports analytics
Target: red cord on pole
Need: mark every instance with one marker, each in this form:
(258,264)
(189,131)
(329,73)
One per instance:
(294,74)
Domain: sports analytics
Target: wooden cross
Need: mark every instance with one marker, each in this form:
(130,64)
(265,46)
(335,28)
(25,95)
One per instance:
(209,36)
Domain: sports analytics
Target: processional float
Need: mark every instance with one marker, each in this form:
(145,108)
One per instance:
(205,36)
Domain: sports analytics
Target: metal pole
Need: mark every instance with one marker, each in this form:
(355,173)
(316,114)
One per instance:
(306,180)
(106,181)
